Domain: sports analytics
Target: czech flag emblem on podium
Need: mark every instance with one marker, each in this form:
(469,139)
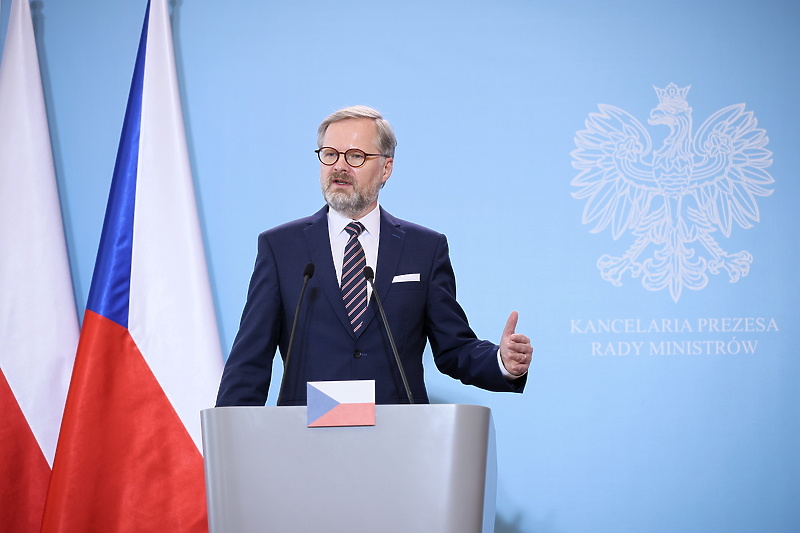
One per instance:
(341,403)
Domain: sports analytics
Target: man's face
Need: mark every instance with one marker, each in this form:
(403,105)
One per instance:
(353,191)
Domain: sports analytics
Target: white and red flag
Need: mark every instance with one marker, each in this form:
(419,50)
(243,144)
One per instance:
(38,318)
(149,359)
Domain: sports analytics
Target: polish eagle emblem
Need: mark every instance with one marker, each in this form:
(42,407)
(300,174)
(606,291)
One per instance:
(675,199)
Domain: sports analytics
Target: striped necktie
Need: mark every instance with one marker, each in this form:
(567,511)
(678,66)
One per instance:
(354,284)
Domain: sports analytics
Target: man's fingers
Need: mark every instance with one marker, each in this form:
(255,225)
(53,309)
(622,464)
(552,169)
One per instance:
(518,339)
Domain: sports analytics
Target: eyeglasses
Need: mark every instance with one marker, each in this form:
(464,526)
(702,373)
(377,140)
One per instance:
(354,157)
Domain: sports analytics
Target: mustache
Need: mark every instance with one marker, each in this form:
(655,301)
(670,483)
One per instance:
(339,176)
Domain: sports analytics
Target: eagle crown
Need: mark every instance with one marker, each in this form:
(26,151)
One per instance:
(673,96)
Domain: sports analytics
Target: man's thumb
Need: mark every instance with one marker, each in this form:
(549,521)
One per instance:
(511,324)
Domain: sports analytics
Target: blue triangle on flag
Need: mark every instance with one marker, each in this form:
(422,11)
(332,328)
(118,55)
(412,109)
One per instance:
(109,292)
(318,403)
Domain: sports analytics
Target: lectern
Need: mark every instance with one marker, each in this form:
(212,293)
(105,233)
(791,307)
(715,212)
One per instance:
(420,468)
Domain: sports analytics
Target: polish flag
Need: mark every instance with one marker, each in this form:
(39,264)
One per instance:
(38,318)
(149,359)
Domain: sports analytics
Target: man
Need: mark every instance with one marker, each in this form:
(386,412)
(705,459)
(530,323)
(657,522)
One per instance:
(340,334)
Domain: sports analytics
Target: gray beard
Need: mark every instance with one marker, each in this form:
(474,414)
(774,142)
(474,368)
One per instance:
(351,204)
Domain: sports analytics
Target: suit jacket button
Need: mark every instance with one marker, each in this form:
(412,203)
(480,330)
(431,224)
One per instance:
(357,354)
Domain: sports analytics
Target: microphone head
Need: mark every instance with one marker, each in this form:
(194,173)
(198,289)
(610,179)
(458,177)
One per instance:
(368,273)
(308,272)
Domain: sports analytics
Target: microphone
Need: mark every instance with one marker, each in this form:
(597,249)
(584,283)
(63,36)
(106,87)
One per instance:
(308,273)
(370,275)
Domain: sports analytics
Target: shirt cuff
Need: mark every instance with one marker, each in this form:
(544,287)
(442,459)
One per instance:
(506,374)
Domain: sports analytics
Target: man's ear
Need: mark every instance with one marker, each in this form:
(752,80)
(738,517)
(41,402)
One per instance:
(387,170)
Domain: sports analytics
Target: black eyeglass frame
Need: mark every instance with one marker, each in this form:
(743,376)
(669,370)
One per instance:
(350,151)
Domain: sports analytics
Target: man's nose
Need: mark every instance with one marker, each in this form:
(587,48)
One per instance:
(341,164)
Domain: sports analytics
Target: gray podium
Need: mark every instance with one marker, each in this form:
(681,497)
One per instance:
(420,468)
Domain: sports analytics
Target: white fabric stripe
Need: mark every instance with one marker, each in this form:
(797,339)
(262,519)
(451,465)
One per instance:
(361,391)
(172,316)
(38,318)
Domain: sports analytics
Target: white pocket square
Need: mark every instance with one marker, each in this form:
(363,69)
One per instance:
(403,278)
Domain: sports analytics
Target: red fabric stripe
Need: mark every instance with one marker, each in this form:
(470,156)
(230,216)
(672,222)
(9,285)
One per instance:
(347,414)
(347,296)
(124,462)
(24,472)
(356,317)
(350,257)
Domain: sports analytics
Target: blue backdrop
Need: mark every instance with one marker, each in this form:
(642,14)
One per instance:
(664,396)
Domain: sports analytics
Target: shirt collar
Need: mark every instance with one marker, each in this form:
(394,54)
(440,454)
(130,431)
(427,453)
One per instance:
(371,222)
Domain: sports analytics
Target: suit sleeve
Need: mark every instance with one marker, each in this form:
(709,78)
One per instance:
(457,351)
(248,370)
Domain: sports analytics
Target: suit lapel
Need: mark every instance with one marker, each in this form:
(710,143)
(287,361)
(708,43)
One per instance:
(391,245)
(319,247)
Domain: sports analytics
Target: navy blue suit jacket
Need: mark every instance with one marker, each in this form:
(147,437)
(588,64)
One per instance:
(325,347)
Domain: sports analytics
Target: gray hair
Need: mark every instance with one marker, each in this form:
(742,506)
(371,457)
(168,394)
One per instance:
(386,140)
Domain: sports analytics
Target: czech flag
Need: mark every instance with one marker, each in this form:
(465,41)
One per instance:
(149,359)
(38,317)
(340,403)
